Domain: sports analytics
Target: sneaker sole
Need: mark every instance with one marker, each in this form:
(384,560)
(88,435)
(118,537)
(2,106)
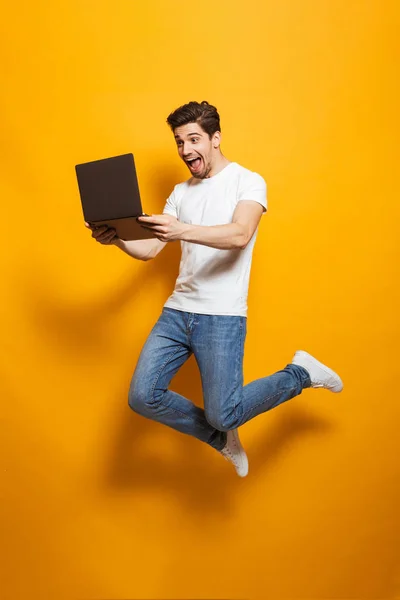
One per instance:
(338,387)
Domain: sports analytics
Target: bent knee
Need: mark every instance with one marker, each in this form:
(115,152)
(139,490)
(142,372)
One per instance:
(139,398)
(136,402)
(142,399)
(222,422)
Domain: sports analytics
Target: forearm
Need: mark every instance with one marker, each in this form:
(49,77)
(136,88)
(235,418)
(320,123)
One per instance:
(139,249)
(231,236)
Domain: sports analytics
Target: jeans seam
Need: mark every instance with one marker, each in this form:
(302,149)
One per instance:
(241,330)
(265,399)
(157,377)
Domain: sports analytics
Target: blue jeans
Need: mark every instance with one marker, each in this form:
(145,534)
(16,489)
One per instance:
(217,342)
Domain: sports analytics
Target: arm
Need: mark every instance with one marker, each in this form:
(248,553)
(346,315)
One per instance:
(141,249)
(235,235)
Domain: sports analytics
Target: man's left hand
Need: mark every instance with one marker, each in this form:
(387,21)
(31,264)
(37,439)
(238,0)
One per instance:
(165,227)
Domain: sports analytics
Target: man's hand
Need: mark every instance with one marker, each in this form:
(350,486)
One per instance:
(165,227)
(105,235)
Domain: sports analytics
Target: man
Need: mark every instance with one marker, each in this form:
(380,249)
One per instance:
(215,215)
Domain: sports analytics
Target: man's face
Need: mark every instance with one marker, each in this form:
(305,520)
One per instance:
(194,143)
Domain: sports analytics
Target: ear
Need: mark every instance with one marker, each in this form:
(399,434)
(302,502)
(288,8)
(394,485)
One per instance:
(216,140)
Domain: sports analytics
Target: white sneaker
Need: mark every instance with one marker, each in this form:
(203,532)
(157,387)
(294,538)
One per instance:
(321,375)
(234,452)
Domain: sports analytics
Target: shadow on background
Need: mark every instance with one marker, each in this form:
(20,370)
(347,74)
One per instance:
(137,456)
(79,329)
(190,473)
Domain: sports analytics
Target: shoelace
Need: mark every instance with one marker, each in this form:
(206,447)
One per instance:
(318,384)
(326,384)
(227,453)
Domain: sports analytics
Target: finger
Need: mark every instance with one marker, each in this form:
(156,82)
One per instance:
(106,240)
(99,231)
(151,220)
(108,235)
(155,228)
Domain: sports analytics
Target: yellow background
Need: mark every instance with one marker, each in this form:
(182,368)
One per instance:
(100,503)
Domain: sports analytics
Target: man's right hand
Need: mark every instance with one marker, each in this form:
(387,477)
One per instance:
(104,235)
(139,249)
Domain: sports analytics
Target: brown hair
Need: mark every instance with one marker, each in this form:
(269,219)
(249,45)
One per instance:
(202,113)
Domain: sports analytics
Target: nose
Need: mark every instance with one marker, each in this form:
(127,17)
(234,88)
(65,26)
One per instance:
(186,150)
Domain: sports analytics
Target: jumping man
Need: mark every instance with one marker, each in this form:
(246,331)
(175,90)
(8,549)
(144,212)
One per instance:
(215,215)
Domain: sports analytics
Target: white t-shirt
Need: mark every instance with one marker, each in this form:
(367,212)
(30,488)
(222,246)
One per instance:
(210,280)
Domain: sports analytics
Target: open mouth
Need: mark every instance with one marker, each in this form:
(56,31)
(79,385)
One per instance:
(194,164)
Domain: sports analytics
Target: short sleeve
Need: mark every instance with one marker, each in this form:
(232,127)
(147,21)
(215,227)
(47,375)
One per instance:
(171,205)
(254,187)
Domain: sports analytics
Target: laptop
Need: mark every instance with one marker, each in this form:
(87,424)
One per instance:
(109,192)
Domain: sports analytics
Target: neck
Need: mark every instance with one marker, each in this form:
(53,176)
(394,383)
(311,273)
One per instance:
(220,163)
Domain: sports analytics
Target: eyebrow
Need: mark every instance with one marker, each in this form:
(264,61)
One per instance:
(190,134)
